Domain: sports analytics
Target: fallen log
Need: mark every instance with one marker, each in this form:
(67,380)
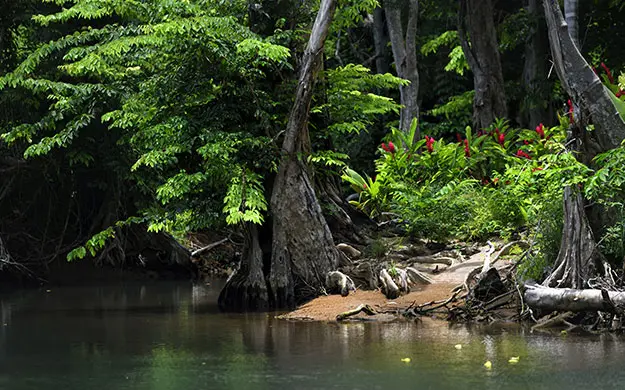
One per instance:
(361,308)
(567,299)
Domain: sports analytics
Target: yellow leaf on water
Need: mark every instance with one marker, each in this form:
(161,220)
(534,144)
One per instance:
(513,360)
(488,365)
(406,360)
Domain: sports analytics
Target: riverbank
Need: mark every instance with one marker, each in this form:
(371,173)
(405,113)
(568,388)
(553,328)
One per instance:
(326,308)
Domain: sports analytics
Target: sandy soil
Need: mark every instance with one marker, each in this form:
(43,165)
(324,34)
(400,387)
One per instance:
(326,308)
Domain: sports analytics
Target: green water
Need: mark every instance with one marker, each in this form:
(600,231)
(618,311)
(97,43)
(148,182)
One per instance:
(171,336)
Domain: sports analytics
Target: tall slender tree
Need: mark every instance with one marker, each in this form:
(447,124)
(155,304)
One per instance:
(403,37)
(478,37)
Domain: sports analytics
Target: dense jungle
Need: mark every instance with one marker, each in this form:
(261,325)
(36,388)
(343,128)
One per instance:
(459,159)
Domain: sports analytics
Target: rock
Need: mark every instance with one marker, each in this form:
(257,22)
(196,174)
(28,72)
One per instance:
(349,250)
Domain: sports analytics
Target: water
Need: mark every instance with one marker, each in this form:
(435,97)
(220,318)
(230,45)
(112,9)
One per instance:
(164,336)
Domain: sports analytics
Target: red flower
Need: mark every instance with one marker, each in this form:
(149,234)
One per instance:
(496,180)
(607,71)
(540,129)
(620,93)
(501,138)
(365,186)
(459,138)
(391,147)
(537,169)
(386,149)
(526,142)
(571,111)
(429,142)
(467,151)
(522,154)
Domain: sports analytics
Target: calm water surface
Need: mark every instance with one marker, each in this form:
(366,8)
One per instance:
(171,336)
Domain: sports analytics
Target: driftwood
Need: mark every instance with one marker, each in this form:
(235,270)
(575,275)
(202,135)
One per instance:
(418,277)
(433,260)
(339,283)
(209,247)
(389,287)
(567,299)
(361,308)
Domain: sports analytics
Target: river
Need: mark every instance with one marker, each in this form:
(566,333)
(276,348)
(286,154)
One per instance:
(170,336)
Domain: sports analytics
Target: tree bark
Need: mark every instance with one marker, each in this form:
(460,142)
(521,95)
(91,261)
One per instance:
(302,249)
(576,260)
(535,68)
(404,45)
(570,15)
(379,41)
(581,83)
(482,53)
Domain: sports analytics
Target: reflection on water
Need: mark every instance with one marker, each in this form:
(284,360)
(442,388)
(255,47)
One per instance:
(171,336)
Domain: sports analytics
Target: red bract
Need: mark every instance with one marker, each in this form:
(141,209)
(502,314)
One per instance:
(537,169)
(429,143)
(391,147)
(385,147)
(496,180)
(571,111)
(620,93)
(522,154)
(607,71)
(467,152)
(501,138)
(540,129)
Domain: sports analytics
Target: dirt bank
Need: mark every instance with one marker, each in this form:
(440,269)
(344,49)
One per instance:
(326,308)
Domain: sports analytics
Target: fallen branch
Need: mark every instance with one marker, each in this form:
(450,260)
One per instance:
(361,308)
(209,247)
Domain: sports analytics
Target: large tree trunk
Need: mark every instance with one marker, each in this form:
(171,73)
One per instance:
(535,69)
(482,53)
(404,44)
(577,257)
(379,41)
(246,289)
(581,83)
(570,15)
(302,249)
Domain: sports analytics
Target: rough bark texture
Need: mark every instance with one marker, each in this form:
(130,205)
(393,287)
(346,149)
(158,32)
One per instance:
(576,259)
(480,47)
(535,68)
(570,15)
(380,39)
(566,299)
(404,44)
(302,249)
(581,83)
(246,289)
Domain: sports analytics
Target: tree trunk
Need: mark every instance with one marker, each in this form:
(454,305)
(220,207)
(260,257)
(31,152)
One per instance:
(577,256)
(582,84)
(404,46)
(570,15)
(246,289)
(379,41)
(575,260)
(482,54)
(535,68)
(302,249)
